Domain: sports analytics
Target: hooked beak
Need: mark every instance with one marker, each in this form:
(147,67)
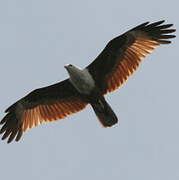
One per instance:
(67,65)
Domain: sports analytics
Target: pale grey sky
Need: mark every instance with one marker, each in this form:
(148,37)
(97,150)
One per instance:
(37,38)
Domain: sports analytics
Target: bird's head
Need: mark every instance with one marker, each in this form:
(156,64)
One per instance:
(72,70)
(68,66)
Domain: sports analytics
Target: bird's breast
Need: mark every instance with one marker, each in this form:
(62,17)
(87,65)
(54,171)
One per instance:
(83,82)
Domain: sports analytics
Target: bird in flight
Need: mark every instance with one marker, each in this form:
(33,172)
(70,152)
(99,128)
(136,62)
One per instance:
(119,59)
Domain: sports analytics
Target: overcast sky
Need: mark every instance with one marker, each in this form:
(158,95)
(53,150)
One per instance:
(37,38)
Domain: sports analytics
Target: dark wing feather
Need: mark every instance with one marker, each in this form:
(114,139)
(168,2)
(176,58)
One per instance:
(122,55)
(41,105)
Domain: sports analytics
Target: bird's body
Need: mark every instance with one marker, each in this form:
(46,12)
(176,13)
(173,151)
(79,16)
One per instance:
(119,59)
(84,83)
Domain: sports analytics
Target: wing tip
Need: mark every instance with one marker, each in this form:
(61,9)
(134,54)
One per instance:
(159,32)
(155,24)
(11,129)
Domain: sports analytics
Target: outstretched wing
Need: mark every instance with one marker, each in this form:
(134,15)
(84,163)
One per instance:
(41,105)
(123,54)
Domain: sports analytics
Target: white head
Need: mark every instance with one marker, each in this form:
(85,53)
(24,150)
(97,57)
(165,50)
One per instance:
(72,70)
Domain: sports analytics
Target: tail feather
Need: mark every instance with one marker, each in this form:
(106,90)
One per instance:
(104,113)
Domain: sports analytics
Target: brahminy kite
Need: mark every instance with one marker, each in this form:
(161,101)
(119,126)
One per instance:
(119,59)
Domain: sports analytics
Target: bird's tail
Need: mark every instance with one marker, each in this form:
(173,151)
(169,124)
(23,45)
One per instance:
(104,112)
